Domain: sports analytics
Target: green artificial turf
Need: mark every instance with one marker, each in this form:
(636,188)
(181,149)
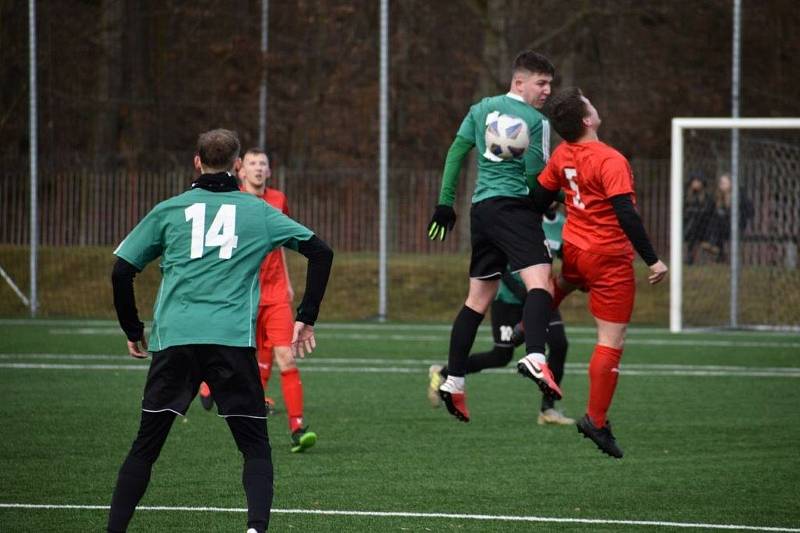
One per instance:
(717,448)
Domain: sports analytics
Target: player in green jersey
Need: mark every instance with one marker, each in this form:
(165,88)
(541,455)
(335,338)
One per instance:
(507,309)
(504,228)
(211,240)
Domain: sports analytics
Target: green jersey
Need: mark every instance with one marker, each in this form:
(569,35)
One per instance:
(211,246)
(506,177)
(552,232)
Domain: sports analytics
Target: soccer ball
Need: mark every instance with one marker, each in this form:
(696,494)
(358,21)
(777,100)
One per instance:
(506,136)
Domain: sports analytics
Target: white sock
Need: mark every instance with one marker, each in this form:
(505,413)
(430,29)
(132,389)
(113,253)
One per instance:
(454,384)
(537,357)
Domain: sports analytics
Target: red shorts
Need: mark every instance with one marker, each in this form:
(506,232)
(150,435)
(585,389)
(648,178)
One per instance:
(274,327)
(610,280)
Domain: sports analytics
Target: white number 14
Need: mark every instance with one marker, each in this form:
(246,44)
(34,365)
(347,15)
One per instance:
(221,233)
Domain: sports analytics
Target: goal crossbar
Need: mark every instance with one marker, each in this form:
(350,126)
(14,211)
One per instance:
(679,124)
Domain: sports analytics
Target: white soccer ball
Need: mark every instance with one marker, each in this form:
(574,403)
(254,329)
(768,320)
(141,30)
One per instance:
(506,136)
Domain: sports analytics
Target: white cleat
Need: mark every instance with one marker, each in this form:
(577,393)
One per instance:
(435,380)
(555,418)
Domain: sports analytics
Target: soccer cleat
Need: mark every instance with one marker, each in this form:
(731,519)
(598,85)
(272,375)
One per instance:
(303,439)
(601,436)
(435,381)
(269,403)
(455,401)
(553,417)
(206,399)
(541,375)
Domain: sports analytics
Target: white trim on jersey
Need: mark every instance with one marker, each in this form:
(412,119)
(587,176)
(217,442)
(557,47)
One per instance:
(545,140)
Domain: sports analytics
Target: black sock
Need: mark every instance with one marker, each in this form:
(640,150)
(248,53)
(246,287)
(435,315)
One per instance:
(134,475)
(257,481)
(497,358)
(462,337)
(557,347)
(536,316)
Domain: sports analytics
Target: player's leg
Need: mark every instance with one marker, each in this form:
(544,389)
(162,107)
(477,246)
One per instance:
(462,337)
(280,328)
(233,375)
(251,438)
(172,383)
(292,387)
(557,347)
(134,474)
(536,317)
(264,347)
(504,317)
(611,295)
(206,398)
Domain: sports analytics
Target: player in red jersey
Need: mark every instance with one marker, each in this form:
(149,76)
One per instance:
(275,323)
(602,230)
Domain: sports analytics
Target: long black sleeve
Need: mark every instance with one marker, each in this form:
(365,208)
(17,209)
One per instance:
(320,259)
(125,300)
(631,224)
(542,198)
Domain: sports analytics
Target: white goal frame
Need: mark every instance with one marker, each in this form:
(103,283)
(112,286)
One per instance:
(676,202)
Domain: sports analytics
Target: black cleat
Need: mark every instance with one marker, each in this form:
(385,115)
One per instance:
(601,436)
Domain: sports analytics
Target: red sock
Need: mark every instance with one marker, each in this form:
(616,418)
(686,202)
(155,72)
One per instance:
(293,397)
(603,375)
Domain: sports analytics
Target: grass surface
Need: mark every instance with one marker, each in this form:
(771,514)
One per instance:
(76,282)
(709,429)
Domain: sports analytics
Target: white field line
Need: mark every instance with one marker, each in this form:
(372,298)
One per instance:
(400,514)
(419,363)
(395,366)
(630,341)
(366,326)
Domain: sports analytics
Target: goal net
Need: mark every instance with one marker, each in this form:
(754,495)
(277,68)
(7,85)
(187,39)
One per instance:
(735,223)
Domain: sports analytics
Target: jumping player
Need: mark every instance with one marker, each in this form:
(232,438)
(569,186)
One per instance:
(602,230)
(504,228)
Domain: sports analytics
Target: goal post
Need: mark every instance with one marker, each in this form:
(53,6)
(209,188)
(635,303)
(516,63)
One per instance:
(790,172)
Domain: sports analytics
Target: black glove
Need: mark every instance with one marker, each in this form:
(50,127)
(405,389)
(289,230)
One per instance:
(443,220)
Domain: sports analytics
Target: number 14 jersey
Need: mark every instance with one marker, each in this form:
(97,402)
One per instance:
(591,173)
(211,246)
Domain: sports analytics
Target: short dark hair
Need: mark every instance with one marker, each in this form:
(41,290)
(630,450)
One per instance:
(533,62)
(255,151)
(218,148)
(566,111)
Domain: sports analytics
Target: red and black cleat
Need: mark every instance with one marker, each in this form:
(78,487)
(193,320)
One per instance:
(541,375)
(456,403)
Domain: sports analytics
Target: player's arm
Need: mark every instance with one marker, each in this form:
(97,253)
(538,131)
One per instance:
(545,189)
(125,306)
(444,217)
(631,223)
(320,259)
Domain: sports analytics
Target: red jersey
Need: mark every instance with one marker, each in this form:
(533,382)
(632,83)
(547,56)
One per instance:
(591,173)
(274,288)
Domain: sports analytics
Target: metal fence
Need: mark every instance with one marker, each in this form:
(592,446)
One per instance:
(341,205)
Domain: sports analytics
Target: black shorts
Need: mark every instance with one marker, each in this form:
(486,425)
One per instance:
(506,231)
(231,372)
(505,316)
